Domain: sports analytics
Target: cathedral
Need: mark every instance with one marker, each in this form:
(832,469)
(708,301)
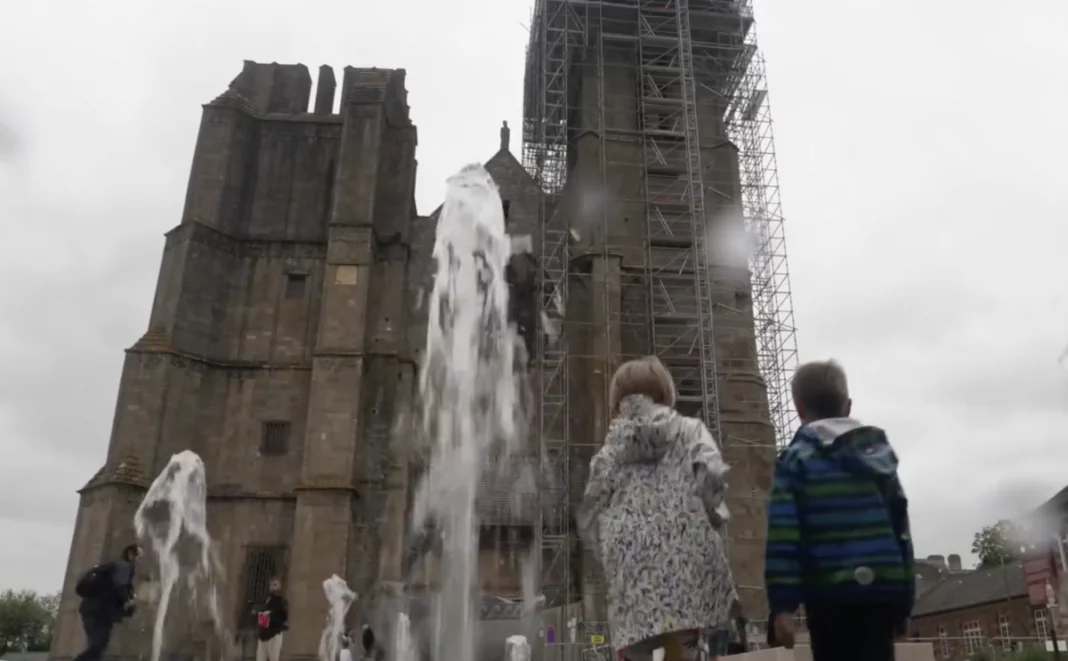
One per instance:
(283,348)
(288,325)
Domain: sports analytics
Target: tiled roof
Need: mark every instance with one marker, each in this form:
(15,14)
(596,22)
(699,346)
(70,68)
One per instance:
(126,470)
(232,99)
(154,339)
(955,591)
(1054,507)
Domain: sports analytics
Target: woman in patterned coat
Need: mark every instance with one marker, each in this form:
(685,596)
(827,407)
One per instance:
(653,512)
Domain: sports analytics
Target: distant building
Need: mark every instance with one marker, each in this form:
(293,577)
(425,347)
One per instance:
(964,611)
(961,611)
(934,568)
(1051,519)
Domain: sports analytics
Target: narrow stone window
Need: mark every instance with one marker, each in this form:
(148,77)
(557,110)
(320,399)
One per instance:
(506,205)
(275,441)
(296,285)
(262,563)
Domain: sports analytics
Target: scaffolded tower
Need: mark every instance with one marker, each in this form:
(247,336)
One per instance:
(647,126)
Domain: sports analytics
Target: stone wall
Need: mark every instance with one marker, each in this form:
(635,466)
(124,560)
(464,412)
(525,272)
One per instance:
(280,312)
(294,293)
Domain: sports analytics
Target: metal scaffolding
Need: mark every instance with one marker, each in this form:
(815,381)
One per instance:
(693,91)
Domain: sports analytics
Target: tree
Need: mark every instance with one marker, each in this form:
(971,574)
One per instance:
(996,545)
(43,642)
(26,620)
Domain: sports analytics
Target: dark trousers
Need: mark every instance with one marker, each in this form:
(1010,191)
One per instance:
(853,632)
(97,633)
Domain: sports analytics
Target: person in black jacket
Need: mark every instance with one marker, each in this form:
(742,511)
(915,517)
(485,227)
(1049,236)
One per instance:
(109,598)
(372,651)
(271,620)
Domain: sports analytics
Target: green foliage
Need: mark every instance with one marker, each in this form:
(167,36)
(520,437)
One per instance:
(1033,654)
(996,545)
(1029,654)
(26,620)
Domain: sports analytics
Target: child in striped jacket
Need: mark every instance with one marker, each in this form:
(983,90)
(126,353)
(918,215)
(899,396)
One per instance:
(838,528)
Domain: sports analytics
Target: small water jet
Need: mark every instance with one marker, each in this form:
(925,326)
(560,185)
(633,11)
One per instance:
(172,521)
(516,648)
(403,650)
(340,598)
(471,395)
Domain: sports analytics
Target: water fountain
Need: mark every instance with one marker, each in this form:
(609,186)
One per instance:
(516,648)
(340,598)
(403,650)
(470,394)
(172,522)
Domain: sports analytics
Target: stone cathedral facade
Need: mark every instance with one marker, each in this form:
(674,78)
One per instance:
(283,348)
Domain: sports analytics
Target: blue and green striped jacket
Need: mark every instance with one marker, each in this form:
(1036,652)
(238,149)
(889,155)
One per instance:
(838,527)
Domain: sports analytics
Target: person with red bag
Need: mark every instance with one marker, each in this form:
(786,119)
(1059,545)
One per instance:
(271,620)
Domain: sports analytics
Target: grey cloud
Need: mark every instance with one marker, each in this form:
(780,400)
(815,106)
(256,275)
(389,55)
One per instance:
(925,258)
(924,206)
(105,103)
(38,562)
(10,142)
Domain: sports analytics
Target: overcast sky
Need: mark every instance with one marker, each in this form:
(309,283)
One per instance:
(921,156)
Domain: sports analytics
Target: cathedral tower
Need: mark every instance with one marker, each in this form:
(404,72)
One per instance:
(277,349)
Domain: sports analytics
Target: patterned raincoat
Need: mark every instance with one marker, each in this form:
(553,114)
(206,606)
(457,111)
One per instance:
(653,511)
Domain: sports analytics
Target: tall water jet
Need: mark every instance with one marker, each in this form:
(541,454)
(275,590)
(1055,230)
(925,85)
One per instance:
(470,393)
(340,598)
(172,522)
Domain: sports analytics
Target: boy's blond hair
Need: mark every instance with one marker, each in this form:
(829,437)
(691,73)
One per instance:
(642,376)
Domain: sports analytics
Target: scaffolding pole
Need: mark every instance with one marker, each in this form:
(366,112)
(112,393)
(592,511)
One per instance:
(681,143)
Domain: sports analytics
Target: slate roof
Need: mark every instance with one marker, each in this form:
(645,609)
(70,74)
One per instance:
(155,339)
(231,98)
(1051,514)
(505,161)
(126,470)
(1058,502)
(961,590)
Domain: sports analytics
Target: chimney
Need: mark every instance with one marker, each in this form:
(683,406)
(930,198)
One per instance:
(506,136)
(938,561)
(324,93)
(954,562)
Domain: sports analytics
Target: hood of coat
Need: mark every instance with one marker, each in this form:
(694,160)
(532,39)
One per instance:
(864,448)
(643,431)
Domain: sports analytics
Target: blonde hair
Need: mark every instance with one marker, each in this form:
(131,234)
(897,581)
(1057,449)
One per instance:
(642,376)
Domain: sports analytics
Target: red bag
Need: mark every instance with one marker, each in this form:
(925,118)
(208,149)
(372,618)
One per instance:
(263,619)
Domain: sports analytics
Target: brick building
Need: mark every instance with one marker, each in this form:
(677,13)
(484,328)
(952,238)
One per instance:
(963,611)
